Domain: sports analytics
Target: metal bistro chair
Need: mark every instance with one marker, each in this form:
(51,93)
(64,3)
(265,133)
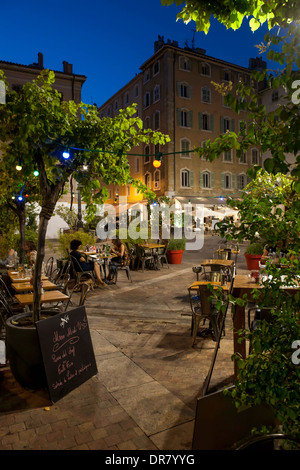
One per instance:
(49,266)
(83,288)
(78,272)
(204,310)
(161,256)
(143,258)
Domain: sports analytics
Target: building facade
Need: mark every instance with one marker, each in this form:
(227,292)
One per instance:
(70,86)
(177,97)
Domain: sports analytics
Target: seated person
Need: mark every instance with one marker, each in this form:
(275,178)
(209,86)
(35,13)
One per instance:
(120,258)
(85,266)
(8,259)
(31,252)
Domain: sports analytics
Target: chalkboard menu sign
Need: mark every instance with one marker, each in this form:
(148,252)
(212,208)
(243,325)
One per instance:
(67,351)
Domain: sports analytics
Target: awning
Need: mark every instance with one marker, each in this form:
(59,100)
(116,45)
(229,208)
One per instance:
(207,201)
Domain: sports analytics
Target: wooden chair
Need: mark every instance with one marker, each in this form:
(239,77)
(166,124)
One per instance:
(205,311)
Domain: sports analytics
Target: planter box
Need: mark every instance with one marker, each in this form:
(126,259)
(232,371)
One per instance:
(174,256)
(252,261)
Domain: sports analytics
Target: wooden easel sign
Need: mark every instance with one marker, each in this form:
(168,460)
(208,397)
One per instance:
(67,351)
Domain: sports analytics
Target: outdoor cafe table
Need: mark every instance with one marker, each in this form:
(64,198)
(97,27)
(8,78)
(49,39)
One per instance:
(228,263)
(244,285)
(26,286)
(16,277)
(48,297)
(195,285)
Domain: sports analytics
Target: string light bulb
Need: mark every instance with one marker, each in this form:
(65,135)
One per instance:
(66,154)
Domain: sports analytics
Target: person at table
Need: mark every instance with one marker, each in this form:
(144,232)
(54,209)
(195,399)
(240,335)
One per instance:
(31,252)
(86,265)
(9,258)
(269,250)
(120,258)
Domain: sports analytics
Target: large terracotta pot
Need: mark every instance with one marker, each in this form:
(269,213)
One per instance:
(174,256)
(24,353)
(252,261)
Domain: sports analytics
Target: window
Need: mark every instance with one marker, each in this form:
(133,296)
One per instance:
(109,112)
(241,181)
(226,124)
(184,90)
(205,95)
(226,75)
(126,99)
(185,179)
(146,76)
(243,156)
(184,118)
(185,147)
(275,96)
(227,181)
(156,120)
(136,91)
(137,164)
(206,121)
(206,179)
(147,154)
(156,93)
(147,122)
(185,64)
(148,179)
(205,69)
(254,154)
(227,156)
(147,99)
(242,127)
(156,68)
(157,179)
(116,105)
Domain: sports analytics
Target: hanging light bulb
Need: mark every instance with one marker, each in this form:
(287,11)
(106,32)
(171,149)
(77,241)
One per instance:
(66,154)
(19,166)
(157,161)
(20,198)
(36,172)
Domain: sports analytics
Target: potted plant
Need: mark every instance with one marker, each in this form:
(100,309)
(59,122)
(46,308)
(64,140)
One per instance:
(45,133)
(175,249)
(253,255)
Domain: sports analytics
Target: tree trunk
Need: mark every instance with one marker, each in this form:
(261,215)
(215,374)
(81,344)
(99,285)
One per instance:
(22,220)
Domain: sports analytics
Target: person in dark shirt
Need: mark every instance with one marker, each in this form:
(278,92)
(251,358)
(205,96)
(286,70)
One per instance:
(86,265)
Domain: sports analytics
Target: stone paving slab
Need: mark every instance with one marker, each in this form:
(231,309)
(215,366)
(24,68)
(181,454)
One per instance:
(149,377)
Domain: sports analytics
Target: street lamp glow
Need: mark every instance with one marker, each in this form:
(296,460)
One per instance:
(66,155)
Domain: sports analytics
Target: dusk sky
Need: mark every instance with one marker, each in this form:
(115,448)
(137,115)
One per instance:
(108,41)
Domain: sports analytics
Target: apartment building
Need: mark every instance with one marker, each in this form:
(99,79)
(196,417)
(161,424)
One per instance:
(66,82)
(70,86)
(176,96)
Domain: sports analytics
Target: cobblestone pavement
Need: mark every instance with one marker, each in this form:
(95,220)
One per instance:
(149,376)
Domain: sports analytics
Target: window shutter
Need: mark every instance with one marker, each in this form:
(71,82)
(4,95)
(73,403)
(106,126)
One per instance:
(211,128)
(221,124)
(190,91)
(232,125)
(178,116)
(190,119)
(212,180)
(233,181)
(239,182)
(200,121)
(222,180)
(178,85)
(191,178)
(201,179)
